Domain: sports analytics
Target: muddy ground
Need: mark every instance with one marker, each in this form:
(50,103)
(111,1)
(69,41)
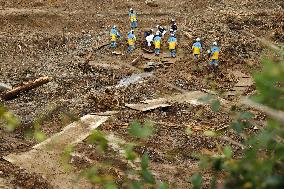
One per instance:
(59,39)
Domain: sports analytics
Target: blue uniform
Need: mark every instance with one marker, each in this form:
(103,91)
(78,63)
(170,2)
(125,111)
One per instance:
(214,55)
(131,42)
(197,49)
(157,44)
(172,41)
(114,35)
(133,19)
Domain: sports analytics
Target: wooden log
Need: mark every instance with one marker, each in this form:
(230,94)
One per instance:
(101,46)
(13,93)
(133,63)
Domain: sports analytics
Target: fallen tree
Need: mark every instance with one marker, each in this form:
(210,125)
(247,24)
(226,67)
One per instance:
(13,93)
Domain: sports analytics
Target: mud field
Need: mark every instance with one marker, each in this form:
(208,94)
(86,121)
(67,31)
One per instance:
(66,41)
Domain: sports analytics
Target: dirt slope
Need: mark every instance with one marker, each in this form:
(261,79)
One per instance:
(58,38)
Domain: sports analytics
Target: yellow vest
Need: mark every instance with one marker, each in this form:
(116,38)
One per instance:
(131,42)
(133,18)
(113,37)
(157,44)
(215,56)
(196,50)
(172,45)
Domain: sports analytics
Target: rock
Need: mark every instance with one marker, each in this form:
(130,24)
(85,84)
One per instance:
(4,87)
(151,3)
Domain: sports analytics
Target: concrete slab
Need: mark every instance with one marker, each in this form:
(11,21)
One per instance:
(244,82)
(239,74)
(190,97)
(46,157)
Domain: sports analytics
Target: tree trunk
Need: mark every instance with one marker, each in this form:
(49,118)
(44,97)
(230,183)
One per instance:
(13,93)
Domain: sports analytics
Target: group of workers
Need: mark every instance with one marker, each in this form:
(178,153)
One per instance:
(154,39)
(213,53)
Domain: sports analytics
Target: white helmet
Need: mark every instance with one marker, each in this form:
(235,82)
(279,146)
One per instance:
(172,34)
(171,30)
(151,30)
(173,20)
(131,9)
(157,26)
(114,26)
(215,43)
(158,33)
(198,39)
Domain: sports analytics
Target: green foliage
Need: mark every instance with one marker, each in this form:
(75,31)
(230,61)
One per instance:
(196,180)
(269,84)
(66,157)
(141,131)
(8,120)
(242,121)
(129,152)
(261,164)
(213,101)
(141,177)
(209,133)
(98,138)
(215,105)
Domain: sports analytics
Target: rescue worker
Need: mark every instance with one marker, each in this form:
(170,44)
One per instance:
(162,30)
(114,35)
(214,54)
(172,31)
(174,26)
(131,39)
(149,38)
(157,43)
(197,49)
(133,18)
(172,41)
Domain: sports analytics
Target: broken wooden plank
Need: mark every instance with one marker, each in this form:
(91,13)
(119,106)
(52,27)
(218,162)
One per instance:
(158,100)
(189,97)
(104,65)
(148,50)
(187,34)
(107,113)
(146,107)
(13,93)
(117,53)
